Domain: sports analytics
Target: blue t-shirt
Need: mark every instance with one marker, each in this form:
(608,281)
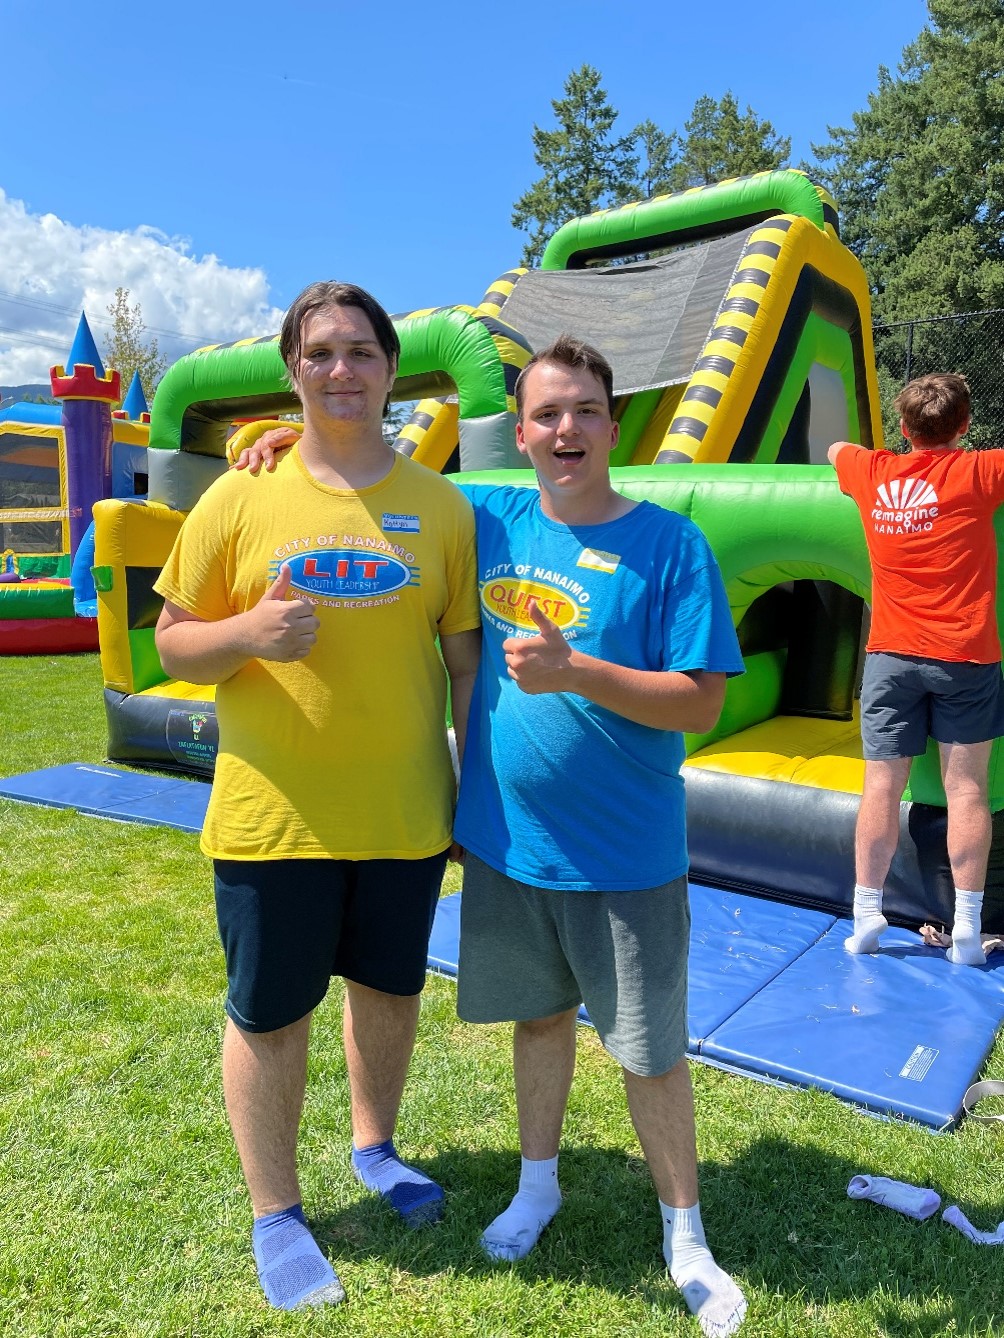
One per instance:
(556,791)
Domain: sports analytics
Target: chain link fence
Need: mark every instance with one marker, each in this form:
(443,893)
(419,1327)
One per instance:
(972,343)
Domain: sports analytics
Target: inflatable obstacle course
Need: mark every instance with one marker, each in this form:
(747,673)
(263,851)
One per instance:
(741,348)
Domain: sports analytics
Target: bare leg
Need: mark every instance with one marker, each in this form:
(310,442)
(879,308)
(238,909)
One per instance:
(876,838)
(264,1077)
(964,769)
(662,1111)
(877,833)
(378,1032)
(543,1063)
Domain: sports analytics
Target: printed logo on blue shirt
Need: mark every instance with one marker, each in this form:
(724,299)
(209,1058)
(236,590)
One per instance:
(401,524)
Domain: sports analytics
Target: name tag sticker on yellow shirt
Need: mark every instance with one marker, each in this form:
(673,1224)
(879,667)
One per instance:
(596,560)
(401,524)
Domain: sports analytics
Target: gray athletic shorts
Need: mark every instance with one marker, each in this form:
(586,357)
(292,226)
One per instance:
(905,700)
(529,952)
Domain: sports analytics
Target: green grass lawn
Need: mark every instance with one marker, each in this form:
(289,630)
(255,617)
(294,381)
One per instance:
(122,1209)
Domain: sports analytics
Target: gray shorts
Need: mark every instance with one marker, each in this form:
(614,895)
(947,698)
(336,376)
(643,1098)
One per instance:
(529,952)
(905,700)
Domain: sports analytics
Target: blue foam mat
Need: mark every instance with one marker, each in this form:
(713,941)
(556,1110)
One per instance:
(773,993)
(107,792)
(775,996)
(738,944)
(901,1032)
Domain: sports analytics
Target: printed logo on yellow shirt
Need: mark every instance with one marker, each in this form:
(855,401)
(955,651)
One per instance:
(341,574)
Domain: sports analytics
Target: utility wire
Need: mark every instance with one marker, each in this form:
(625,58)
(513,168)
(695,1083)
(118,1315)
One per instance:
(56,309)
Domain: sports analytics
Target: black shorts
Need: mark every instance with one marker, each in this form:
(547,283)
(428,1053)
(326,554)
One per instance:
(905,700)
(288,926)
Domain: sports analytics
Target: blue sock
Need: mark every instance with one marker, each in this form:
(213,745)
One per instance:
(418,1199)
(292,1270)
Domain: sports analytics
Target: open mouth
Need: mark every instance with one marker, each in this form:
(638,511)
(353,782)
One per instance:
(571,453)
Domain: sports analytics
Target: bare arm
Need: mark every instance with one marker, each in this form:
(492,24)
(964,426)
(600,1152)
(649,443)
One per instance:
(267,449)
(461,655)
(199,651)
(836,448)
(661,699)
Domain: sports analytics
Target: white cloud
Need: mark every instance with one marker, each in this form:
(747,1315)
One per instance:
(53,269)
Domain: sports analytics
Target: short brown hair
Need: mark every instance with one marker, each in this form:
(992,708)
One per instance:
(934,408)
(567,351)
(331,293)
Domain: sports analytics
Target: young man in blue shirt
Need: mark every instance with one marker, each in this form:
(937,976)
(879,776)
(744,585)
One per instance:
(607,634)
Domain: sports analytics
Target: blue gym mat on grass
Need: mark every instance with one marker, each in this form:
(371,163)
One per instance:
(774,995)
(900,1031)
(107,792)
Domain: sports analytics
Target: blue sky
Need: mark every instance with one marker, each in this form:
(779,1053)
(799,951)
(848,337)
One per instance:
(214,158)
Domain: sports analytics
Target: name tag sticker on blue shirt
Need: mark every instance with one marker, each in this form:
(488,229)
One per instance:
(402,524)
(596,560)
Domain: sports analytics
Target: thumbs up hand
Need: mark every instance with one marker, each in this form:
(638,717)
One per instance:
(541,663)
(281,629)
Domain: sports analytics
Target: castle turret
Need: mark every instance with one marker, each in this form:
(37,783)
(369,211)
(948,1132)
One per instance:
(88,395)
(134,406)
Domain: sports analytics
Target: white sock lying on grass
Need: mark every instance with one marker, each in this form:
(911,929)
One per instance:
(869,922)
(957,1218)
(911,1200)
(966,949)
(515,1232)
(709,1292)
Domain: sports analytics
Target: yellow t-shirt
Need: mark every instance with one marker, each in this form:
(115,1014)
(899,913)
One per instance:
(342,754)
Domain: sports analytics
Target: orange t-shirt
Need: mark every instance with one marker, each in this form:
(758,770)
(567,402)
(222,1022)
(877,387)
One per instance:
(928,522)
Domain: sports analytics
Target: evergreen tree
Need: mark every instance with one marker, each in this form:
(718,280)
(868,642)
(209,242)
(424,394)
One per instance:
(919,176)
(720,141)
(919,181)
(126,349)
(585,167)
(657,154)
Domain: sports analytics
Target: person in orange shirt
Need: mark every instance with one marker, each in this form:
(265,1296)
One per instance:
(933,662)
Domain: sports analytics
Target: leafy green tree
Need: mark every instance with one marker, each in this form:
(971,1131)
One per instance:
(584,165)
(126,348)
(720,141)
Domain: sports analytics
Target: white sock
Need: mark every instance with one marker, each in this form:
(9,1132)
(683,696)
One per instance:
(911,1200)
(966,949)
(869,922)
(957,1218)
(515,1232)
(709,1292)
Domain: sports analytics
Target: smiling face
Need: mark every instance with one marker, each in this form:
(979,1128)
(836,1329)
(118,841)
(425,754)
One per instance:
(567,434)
(343,375)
